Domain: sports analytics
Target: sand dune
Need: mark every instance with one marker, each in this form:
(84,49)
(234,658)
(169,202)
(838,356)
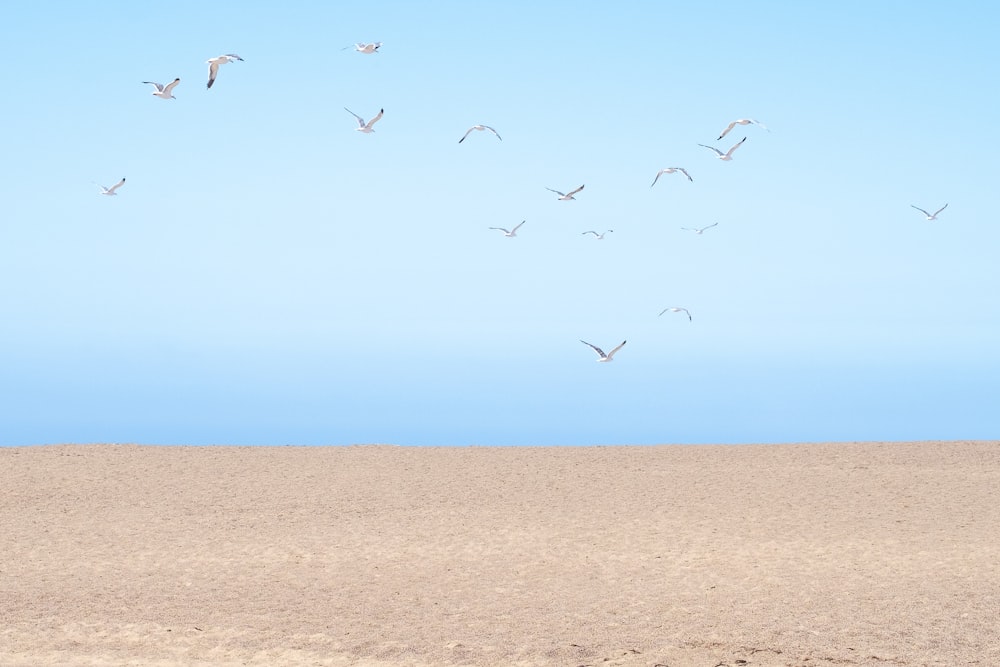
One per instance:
(805,555)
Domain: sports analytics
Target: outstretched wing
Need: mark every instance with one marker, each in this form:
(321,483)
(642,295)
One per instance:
(589,232)
(556,191)
(361,121)
(213,71)
(467,132)
(658,174)
(684,171)
(505,231)
(170,86)
(516,227)
(612,352)
(117,185)
(495,133)
(573,192)
(921,210)
(713,149)
(941,209)
(596,349)
(159,86)
(739,143)
(374,120)
(728,128)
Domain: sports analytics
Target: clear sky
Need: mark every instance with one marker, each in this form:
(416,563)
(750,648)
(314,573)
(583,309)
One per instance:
(267,275)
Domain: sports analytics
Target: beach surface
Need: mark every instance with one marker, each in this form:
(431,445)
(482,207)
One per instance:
(761,555)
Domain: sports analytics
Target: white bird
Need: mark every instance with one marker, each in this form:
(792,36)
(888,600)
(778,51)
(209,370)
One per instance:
(164,92)
(565,196)
(480,128)
(742,121)
(930,216)
(728,155)
(670,170)
(509,233)
(676,309)
(111,191)
(362,125)
(213,65)
(600,237)
(600,352)
(699,230)
(364,48)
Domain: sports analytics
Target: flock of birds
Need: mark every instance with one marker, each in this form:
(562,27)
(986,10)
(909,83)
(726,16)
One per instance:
(165,92)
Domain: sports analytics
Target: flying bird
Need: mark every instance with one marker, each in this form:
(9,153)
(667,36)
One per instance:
(600,352)
(364,48)
(362,125)
(111,191)
(728,155)
(670,170)
(509,233)
(565,196)
(480,128)
(600,237)
(164,92)
(213,65)
(699,230)
(677,309)
(930,216)
(742,121)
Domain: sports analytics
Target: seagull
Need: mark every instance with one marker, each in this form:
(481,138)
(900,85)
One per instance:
(111,191)
(604,357)
(600,237)
(670,170)
(213,65)
(677,309)
(164,91)
(362,126)
(565,196)
(480,128)
(728,155)
(930,216)
(742,121)
(700,229)
(510,233)
(364,48)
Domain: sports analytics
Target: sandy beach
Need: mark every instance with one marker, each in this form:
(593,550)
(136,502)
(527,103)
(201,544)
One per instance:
(763,555)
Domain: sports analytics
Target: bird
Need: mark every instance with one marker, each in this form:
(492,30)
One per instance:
(362,125)
(164,92)
(510,233)
(670,170)
(480,128)
(742,121)
(213,65)
(728,155)
(600,237)
(364,48)
(565,196)
(111,191)
(600,352)
(930,216)
(699,230)
(677,309)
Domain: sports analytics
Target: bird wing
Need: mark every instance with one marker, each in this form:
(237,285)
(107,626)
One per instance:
(684,171)
(213,71)
(921,210)
(760,124)
(612,352)
(595,348)
(518,225)
(685,310)
(233,55)
(709,226)
(505,231)
(660,172)
(556,191)
(116,186)
(170,86)
(590,232)
(159,86)
(714,150)
(467,132)
(493,131)
(739,143)
(941,209)
(361,121)
(728,128)
(374,120)
(573,192)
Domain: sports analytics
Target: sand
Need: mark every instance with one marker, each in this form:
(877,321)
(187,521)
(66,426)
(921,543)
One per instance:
(807,555)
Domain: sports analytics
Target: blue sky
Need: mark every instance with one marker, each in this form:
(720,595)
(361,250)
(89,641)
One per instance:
(267,275)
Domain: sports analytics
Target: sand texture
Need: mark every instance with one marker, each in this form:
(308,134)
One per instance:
(759,555)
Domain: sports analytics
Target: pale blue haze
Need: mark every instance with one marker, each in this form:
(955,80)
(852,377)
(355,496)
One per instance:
(267,275)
